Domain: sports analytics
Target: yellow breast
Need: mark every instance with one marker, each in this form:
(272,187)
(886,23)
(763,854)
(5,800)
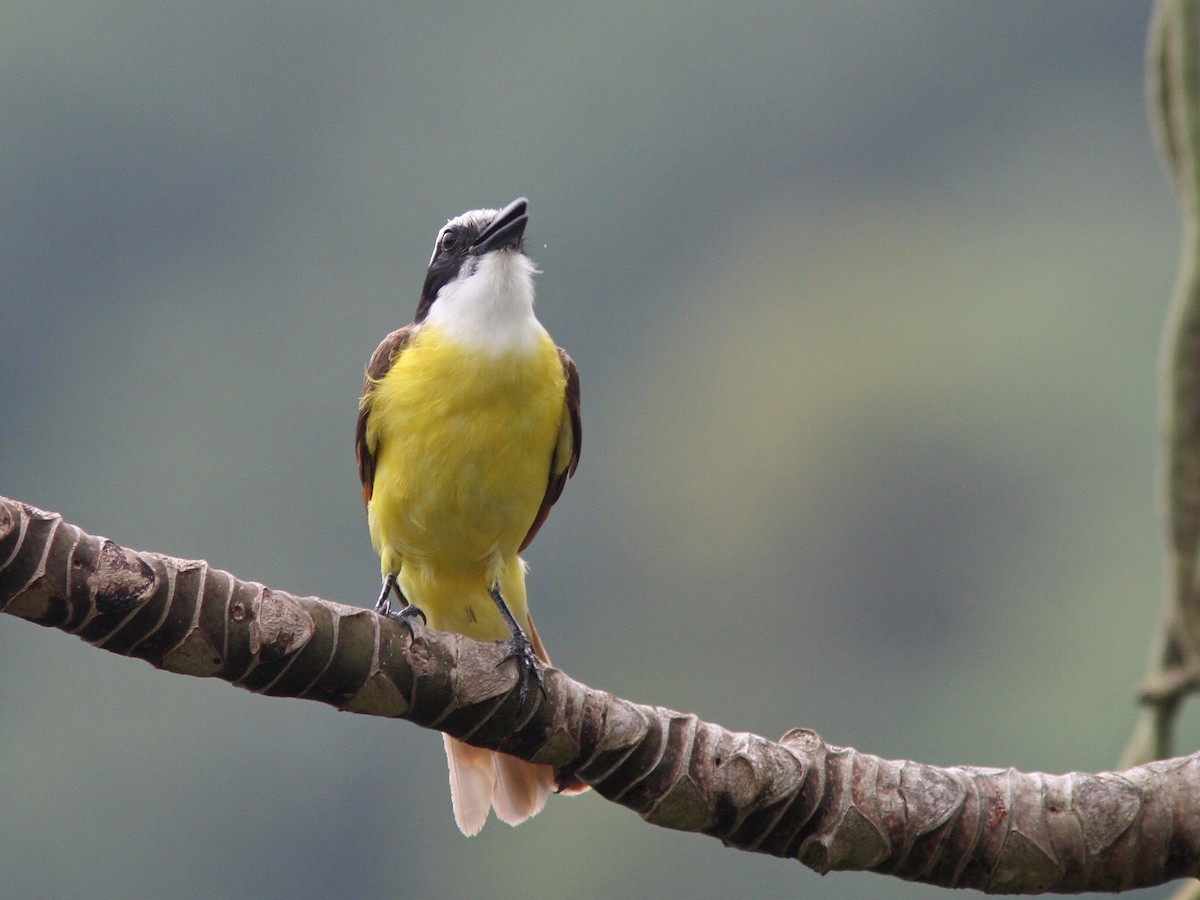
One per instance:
(464,443)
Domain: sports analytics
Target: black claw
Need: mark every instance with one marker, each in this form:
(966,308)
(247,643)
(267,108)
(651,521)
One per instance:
(520,649)
(406,612)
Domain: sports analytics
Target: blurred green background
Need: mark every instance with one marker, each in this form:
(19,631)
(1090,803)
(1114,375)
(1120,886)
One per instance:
(867,300)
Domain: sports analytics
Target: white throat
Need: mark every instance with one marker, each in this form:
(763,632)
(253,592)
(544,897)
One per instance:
(489,306)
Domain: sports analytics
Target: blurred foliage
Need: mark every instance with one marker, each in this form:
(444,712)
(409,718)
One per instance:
(867,302)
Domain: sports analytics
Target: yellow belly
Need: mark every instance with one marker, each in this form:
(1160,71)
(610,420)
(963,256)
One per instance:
(463,445)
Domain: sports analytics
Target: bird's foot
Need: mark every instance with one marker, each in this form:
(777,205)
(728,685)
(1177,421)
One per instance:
(520,649)
(383,605)
(529,667)
(405,612)
(408,615)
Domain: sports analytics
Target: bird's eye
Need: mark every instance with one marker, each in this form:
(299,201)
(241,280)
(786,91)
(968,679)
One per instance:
(449,241)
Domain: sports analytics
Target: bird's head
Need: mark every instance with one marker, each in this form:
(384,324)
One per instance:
(478,262)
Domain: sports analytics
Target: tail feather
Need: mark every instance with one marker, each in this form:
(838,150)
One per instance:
(482,779)
(472,783)
(521,788)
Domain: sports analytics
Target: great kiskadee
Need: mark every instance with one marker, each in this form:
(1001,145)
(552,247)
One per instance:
(468,428)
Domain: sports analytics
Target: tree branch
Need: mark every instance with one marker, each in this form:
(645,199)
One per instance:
(831,808)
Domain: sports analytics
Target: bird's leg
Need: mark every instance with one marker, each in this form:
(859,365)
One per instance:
(520,649)
(383,605)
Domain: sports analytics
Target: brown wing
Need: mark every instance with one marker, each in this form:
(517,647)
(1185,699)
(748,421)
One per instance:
(381,362)
(565,457)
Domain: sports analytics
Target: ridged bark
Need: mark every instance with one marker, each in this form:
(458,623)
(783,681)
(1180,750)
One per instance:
(829,807)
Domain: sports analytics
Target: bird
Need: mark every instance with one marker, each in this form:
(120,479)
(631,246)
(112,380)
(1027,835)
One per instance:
(468,429)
